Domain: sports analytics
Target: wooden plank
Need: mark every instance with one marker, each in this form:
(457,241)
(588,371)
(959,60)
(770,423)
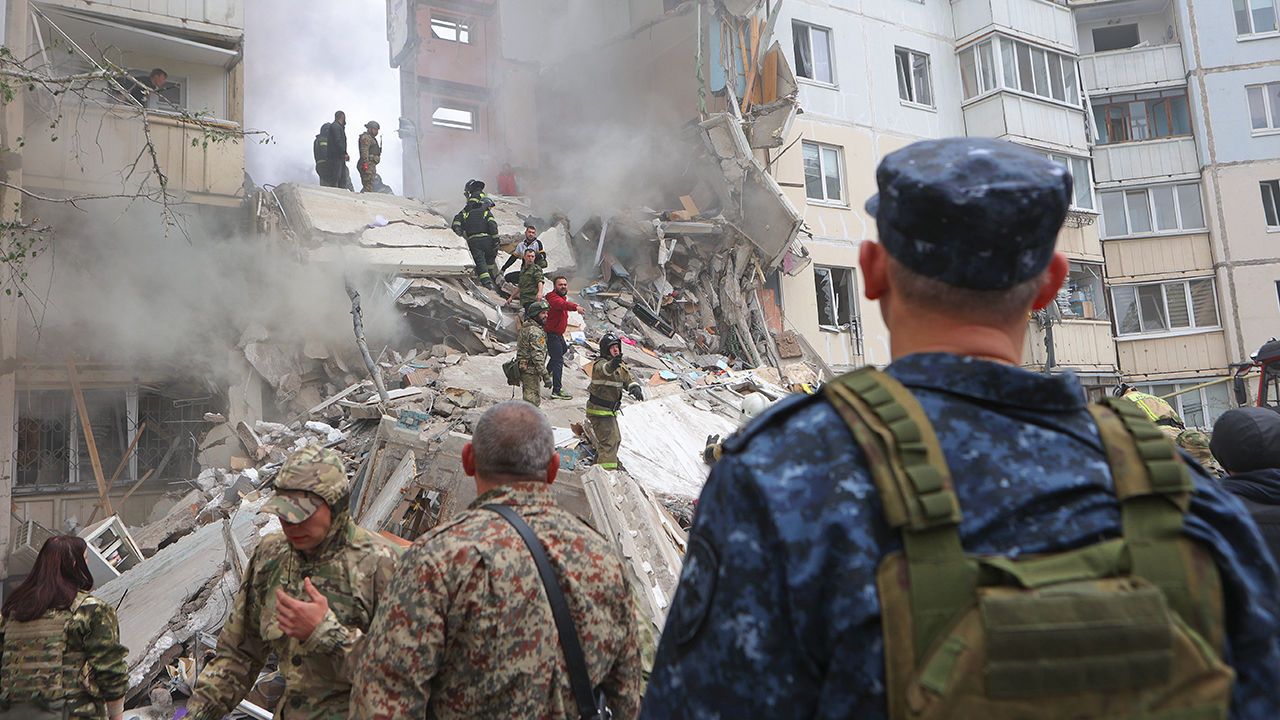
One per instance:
(92,445)
(769,71)
(120,468)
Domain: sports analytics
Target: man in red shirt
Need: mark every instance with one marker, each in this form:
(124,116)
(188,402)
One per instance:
(557,321)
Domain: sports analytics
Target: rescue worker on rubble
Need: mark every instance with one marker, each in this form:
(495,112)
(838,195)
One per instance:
(475,223)
(60,651)
(557,323)
(531,352)
(529,286)
(370,156)
(609,379)
(530,240)
(338,174)
(827,580)
(1156,409)
(307,597)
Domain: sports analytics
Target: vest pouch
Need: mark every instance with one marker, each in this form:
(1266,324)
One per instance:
(32,675)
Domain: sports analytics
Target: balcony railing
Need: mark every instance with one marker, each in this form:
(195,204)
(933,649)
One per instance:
(1083,345)
(1134,68)
(207,18)
(1149,159)
(1044,21)
(1006,113)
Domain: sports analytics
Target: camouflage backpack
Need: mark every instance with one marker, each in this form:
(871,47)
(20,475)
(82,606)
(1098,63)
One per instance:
(35,654)
(1127,628)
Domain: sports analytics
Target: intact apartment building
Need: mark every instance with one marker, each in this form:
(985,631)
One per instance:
(45,464)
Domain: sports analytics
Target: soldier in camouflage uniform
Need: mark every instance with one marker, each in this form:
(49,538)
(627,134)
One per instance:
(466,630)
(1196,443)
(609,379)
(370,155)
(307,597)
(61,661)
(777,613)
(531,353)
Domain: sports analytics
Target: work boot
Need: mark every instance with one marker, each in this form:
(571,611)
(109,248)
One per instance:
(560,395)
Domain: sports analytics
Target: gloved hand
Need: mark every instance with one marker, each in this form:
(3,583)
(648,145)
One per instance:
(636,392)
(615,363)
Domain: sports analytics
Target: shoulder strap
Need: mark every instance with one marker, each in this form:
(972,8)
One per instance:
(1154,488)
(579,679)
(915,489)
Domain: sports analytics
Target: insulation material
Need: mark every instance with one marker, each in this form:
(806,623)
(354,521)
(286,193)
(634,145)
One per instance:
(663,440)
(769,123)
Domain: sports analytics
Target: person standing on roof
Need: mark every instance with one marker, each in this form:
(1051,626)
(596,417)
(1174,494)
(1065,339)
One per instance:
(307,597)
(339,175)
(530,240)
(609,379)
(370,156)
(60,651)
(475,223)
(833,565)
(557,323)
(531,352)
(1156,409)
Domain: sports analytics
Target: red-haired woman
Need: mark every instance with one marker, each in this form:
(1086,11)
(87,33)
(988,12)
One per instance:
(60,651)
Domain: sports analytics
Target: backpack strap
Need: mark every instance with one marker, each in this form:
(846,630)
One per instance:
(1154,488)
(914,485)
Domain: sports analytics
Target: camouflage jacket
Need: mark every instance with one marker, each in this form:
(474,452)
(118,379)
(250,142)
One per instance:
(92,670)
(777,613)
(370,150)
(352,568)
(530,280)
(531,349)
(607,386)
(466,630)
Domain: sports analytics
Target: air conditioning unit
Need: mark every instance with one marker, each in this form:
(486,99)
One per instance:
(111,550)
(26,546)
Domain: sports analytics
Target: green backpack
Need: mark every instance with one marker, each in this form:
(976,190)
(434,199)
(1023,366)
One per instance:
(511,369)
(1128,628)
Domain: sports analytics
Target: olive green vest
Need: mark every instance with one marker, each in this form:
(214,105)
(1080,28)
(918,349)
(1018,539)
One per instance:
(35,658)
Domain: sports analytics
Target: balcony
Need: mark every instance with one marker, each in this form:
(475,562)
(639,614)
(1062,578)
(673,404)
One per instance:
(210,20)
(1006,114)
(1162,257)
(1146,160)
(1042,21)
(1081,345)
(1133,70)
(97,146)
(1183,354)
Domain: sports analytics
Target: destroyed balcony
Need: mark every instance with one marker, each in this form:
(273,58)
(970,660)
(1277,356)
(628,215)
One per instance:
(1146,160)
(1133,69)
(207,19)
(1082,345)
(1042,21)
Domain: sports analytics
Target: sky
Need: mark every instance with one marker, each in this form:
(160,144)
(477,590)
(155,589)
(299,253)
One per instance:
(303,61)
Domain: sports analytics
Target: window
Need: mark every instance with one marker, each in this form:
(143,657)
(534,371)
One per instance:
(913,77)
(457,118)
(1156,209)
(1081,178)
(1271,203)
(1024,67)
(1116,37)
(170,97)
(1081,295)
(812,46)
(1198,408)
(823,180)
(1255,16)
(1160,308)
(836,297)
(1142,116)
(450,30)
(1264,106)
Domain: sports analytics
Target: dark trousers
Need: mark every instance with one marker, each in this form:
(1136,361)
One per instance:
(556,348)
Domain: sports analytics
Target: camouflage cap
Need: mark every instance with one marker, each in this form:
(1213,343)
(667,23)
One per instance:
(1193,439)
(295,507)
(315,469)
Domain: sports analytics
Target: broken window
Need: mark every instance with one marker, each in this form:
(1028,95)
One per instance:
(914,85)
(812,47)
(836,299)
(1081,296)
(823,176)
(450,30)
(456,118)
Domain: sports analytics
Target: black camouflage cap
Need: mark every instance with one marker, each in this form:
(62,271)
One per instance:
(975,213)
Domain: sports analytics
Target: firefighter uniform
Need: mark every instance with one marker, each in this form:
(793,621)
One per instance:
(609,379)
(475,223)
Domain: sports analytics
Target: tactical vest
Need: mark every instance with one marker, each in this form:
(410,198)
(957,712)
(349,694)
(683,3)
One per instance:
(1128,628)
(35,655)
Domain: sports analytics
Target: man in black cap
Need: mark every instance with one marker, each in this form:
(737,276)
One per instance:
(779,611)
(1246,443)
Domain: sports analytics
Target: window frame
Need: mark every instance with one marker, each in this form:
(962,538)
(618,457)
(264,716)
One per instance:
(1272,188)
(449,125)
(1137,35)
(1270,108)
(851,291)
(1069,161)
(1097,295)
(903,62)
(1152,211)
(808,28)
(1192,328)
(1249,11)
(1007,71)
(822,175)
(1105,106)
(460,28)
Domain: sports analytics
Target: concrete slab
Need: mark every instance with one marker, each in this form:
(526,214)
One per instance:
(430,260)
(326,212)
(663,440)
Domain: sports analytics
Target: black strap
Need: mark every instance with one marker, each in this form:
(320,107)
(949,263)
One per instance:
(579,680)
(594,399)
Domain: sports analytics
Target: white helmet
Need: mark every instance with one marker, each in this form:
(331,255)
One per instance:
(752,405)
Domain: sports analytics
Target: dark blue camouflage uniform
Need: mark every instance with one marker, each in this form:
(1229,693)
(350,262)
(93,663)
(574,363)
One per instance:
(777,613)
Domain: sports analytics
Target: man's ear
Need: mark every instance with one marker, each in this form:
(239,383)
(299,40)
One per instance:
(1056,275)
(553,467)
(469,460)
(874,263)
